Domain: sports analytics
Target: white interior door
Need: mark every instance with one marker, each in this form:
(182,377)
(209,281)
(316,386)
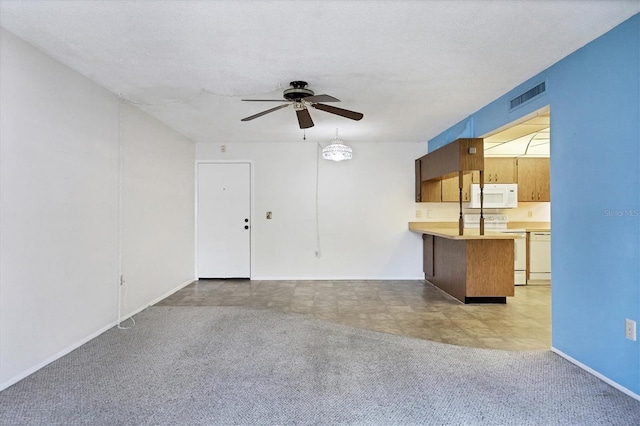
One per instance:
(224,228)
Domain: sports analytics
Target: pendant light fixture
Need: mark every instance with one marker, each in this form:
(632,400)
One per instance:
(337,150)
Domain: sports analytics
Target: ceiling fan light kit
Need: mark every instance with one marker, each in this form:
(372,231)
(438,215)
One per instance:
(337,150)
(302,98)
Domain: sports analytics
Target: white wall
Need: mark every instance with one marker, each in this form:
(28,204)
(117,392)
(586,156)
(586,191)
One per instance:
(158,221)
(59,156)
(364,207)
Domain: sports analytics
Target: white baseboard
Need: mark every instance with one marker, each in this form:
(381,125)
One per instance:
(157,299)
(65,351)
(170,292)
(92,336)
(418,278)
(595,373)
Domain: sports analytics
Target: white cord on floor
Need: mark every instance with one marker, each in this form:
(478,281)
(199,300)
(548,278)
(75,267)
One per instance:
(121,281)
(120,297)
(318,152)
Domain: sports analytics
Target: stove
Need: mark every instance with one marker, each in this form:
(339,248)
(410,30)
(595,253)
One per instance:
(492,221)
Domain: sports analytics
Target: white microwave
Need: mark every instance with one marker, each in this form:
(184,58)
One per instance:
(496,196)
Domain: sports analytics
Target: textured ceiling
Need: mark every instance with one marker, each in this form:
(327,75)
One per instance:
(413,68)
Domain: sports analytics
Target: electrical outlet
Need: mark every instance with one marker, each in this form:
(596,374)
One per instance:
(418,214)
(223,148)
(630,329)
(530,213)
(317,253)
(428,213)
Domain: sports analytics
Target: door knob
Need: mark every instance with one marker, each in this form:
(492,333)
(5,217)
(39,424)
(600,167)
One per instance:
(246,220)
(246,227)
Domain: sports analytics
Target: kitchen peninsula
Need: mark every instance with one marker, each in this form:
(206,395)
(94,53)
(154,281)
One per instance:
(468,264)
(473,268)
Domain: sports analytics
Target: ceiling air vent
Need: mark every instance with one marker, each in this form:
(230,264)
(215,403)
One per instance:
(528,95)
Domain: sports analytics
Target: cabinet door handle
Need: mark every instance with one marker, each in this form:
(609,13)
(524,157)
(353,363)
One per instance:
(533,196)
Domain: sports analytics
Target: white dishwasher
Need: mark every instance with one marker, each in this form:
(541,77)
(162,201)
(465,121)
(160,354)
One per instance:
(539,257)
(519,255)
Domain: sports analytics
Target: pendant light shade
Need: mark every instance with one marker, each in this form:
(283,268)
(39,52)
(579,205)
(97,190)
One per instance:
(337,150)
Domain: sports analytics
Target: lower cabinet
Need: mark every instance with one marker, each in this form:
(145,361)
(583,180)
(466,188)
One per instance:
(427,255)
(461,268)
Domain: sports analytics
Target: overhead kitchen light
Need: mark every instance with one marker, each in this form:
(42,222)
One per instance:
(337,150)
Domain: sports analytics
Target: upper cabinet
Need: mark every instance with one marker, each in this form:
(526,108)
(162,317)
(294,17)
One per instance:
(533,179)
(445,190)
(531,175)
(418,181)
(451,189)
(499,170)
(436,174)
(427,191)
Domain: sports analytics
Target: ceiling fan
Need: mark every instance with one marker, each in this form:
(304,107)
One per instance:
(301,98)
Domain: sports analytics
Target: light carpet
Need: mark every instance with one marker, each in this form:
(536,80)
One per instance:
(236,365)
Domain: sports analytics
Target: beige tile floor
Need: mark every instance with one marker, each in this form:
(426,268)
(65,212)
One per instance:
(407,308)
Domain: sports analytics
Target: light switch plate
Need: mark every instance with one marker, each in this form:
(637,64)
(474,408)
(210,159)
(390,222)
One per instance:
(630,329)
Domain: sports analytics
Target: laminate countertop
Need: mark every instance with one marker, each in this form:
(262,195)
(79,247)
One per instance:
(531,226)
(445,230)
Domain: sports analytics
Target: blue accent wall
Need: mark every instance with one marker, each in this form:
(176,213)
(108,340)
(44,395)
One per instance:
(594,95)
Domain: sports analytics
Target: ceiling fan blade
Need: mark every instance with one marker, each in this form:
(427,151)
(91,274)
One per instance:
(260,114)
(339,111)
(321,98)
(304,118)
(265,100)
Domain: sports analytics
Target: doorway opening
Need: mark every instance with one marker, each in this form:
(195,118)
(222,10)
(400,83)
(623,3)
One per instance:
(525,145)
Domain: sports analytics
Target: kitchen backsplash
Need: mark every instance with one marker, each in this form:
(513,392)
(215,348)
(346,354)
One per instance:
(449,212)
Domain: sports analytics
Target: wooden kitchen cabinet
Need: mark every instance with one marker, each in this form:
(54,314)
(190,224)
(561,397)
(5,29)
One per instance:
(473,269)
(427,255)
(431,191)
(418,182)
(436,174)
(498,170)
(533,179)
(427,191)
(451,190)
(446,190)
